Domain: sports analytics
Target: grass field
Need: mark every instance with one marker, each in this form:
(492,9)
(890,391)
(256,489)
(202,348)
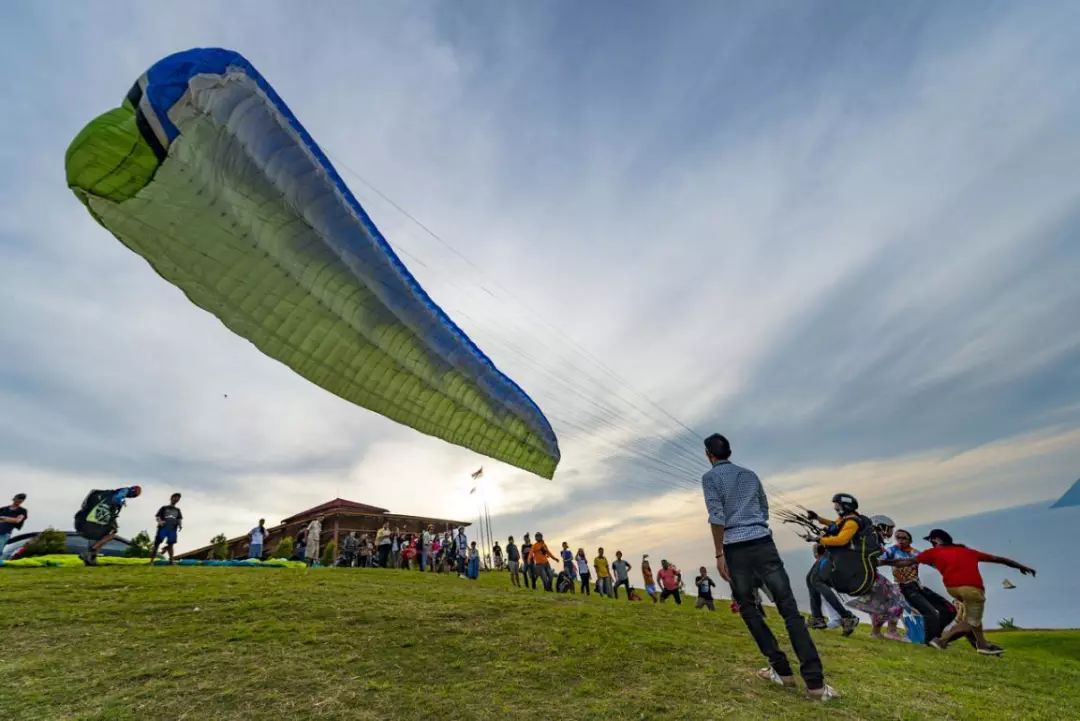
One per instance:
(226,643)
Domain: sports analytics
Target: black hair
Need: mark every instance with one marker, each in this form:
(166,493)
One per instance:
(19,497)
(718,446)
(819,549)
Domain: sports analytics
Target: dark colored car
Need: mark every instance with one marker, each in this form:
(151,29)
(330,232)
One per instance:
(74,543)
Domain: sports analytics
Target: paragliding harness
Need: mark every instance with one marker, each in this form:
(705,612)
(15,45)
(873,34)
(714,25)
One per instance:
(563,582)
(96,518)
(851,569)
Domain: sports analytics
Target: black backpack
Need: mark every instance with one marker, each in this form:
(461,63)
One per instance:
(94,519)
(852,568)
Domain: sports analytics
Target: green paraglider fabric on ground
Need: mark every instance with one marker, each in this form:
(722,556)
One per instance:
(69,561)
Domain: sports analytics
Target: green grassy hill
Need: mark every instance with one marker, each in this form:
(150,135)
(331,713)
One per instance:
(226,643)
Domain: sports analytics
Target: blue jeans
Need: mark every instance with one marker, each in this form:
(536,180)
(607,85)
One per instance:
(424,555)
(255,552)
(3,540)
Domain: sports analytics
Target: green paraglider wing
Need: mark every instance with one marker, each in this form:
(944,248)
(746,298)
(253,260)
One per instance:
(205,173)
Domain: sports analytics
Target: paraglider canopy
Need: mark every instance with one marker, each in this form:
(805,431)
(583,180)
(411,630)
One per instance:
(209,176)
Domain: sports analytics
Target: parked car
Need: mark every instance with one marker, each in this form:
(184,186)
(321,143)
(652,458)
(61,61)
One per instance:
(74,543)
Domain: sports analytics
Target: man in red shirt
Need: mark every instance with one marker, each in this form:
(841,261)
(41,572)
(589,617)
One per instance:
(669,578)
(959,569)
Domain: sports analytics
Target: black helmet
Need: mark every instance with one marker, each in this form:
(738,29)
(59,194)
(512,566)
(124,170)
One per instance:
(847,502)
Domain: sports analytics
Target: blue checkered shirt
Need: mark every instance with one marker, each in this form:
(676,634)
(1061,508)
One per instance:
(736,500)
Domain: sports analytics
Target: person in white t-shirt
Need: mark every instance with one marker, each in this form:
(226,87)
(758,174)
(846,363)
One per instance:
(256,539)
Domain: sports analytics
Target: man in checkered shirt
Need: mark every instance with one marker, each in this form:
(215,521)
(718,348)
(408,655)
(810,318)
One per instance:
(746,556)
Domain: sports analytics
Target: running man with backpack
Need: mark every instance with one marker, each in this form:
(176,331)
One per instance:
(96,520)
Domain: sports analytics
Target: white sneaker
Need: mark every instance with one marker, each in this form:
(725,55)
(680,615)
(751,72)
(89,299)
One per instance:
(825,693)
(770,675)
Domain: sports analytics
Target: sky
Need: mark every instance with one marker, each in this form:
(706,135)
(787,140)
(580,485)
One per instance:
(844,235)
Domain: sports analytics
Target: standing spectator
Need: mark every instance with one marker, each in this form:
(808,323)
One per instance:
(448,553)
(670,581)
(497,554)
(12,518)
(513,561)
(474,562)
(97,519)
(937,613)
(959,569)
(820,590)
(314,541)
(462,543)
(647,578)
(427,538)
(603,574)
(541,557)
(395,548)
(365,551)
(745,551)
(583,571)
(528,569)
(169,521)
(383,541)
(256,540)
(568,564)
(436,553)
(299,544)
(705,586)
(621,570)
(409,554)
(350,545)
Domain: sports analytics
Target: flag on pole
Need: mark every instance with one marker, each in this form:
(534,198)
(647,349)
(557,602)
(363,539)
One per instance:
(478,473)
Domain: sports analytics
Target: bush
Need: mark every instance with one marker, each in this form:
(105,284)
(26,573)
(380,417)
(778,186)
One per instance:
(220,547)
(46,543)
(284,548)
(141,546)
(329,554)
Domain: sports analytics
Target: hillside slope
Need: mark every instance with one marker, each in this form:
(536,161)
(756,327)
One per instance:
(220,643)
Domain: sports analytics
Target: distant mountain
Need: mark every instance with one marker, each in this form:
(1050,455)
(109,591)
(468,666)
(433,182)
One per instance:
(1071,497)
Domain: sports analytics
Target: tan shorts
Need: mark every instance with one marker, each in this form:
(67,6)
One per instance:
(971,602)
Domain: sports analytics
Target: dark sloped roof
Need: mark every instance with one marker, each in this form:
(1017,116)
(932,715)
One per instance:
(338,504)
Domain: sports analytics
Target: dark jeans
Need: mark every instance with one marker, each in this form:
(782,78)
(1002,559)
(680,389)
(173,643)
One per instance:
(529,571)
(675,593)
(819,590)
(384,555)
(758,559)
(937,613)
(625,582)
(586,586)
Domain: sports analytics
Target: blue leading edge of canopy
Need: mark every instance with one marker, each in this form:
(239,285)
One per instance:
(167,81)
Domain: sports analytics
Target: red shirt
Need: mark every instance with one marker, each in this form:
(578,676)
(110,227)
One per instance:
(669,581)
(958,565)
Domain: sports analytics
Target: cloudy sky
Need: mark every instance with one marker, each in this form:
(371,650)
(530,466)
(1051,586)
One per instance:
(844,235)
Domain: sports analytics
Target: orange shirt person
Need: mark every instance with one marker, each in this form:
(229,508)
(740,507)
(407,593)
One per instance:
(541,554)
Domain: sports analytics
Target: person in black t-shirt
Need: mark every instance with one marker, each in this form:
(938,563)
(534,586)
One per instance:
(169,521)
(12,518)
(513,561)
(704,590)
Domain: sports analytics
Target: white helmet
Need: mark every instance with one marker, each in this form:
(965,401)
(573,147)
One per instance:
(883,521)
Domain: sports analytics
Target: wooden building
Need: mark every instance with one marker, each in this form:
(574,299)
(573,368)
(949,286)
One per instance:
(339,517)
